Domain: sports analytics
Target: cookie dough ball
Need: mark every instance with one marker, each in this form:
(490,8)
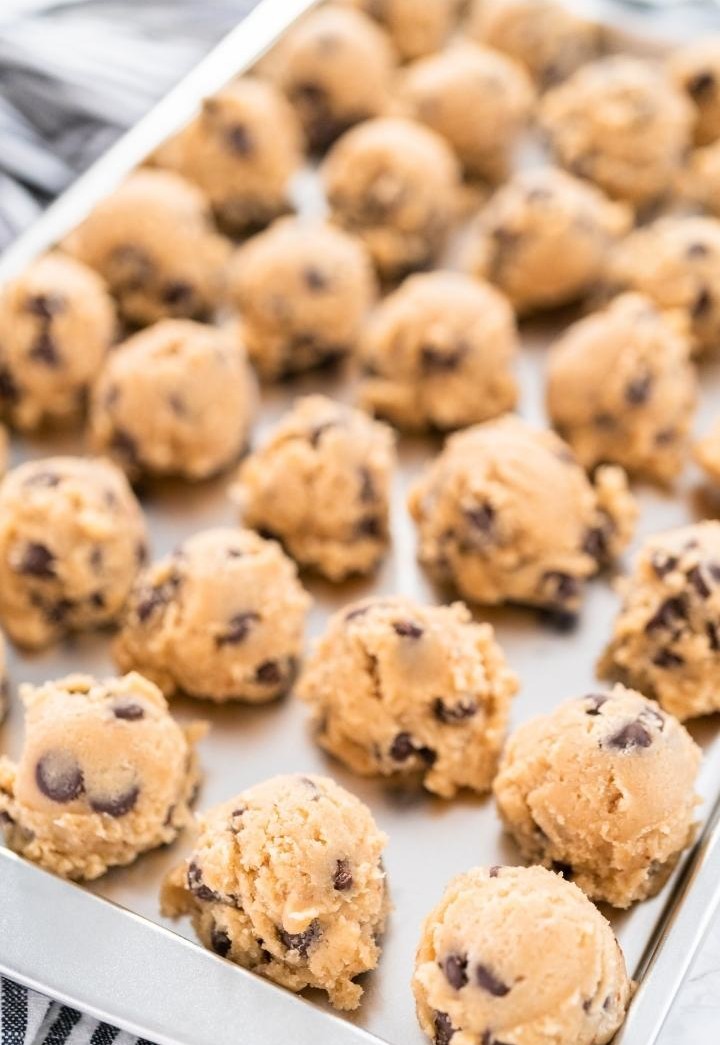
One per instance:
(72,538)
(707,453)
(695,69)
(105,774)
(518,954)
(153,242)
(395,184)
(438,353)
(676,262)
(56,325)
(220,618)
(621,123)
(303,289)
(544,236)
(321,486)
(603,790)
(242,151)
(416,29)
(545,36)
(487,525)
(621,389)
(666,639)
(175,399)
(286,880)
(336,67)
(477,99)
(426,693)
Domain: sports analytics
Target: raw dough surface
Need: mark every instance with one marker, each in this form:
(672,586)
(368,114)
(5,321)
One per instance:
(416,28)
(621,389)
(516,954)
(302,289)
(176,399)
(321,486)
(695,68)
(439,353)
(72,537)
(666,639)
(222,618)
(105,774)
(286,879)
(602,790)
(488,527)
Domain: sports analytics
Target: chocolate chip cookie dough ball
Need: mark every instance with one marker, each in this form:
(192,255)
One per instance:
(621,123)
(488,527)
(153,242)
(395,184)
(544,236)
(321,486)
(695,68)
(416,29)
(707,453)
(303,289)
(176,399)
(286,880)
(426,693)
(546,37)
(72,537)
(104,775)
(336,68)
(438,353)
(477,99)
(518,954)
(676,262)
(666,638)
(621,389)
(56,325)
(242,150)
(603,790)
(221,618)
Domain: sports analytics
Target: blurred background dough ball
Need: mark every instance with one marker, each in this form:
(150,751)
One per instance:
(416,28)
(695,68)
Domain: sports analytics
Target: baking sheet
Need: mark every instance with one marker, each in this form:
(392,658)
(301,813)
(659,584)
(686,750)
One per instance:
(430,839)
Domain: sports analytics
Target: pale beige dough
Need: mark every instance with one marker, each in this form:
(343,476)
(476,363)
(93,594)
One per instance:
(286,879)
(621,389)
(321,486)
(154,243)
(548,38)
(517,954)
(415,28)
(621,123)
(242,150)
(666,637)
(478,99)
(57,322)
(602,790)
(676,262)
(303,289)
(695,68)
(176,399)
(488,526)
(707,453)
(72,537)
(336,68)
(399,689)
(439,353)
(544,236)
(104,775)
(396,185)
(221,618)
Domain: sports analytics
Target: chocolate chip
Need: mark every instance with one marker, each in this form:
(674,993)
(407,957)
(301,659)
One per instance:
(370,526)
(239,140)
(316,434)
(58,611)
(125,445)
(596,702)
(665,436)
(481,517)
(489,982)
(595,544)
(197,886)
(268,673)
(455,969)
(696,579)
(631,736)
(238,629)
(315,279)
(300,942)
(59,776)
(177,404)
(45,305)
(701,85)
(561,587)
(562,621)
(665,658)
(407,629)
(129,712)
(132,267)
(451,714)
(670,613)
(178,293)
(494,870)
(697,250)
(359,611)
(444,1030)
(564,870)
(9,391)
(637,392)
(368,494)
(37,561)
(653,717)
(712,631)
(115,805)
(44,349)
(403,747)
(220,942)
(152,598)
(437,361)
(662,563)
(342,878)
(702,304)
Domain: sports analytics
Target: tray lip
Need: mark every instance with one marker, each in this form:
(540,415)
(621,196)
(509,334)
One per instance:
(236,52)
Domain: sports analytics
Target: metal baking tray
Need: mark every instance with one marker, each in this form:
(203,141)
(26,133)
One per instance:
(104,948)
